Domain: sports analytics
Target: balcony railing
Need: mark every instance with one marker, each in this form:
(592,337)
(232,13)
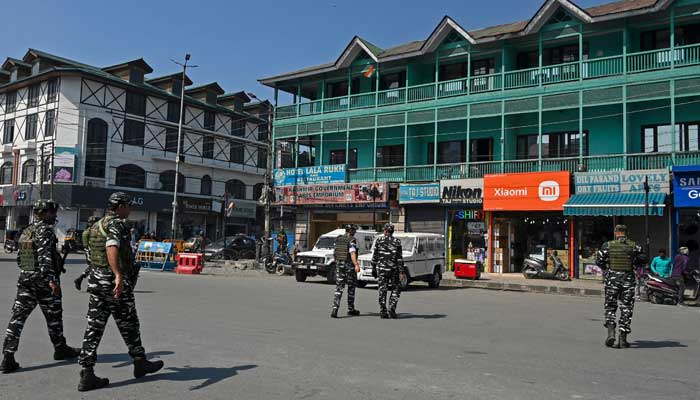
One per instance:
(551,74)
(613,162)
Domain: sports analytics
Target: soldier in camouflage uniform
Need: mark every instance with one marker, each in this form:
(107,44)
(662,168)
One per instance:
(387,259)
(110,284)
(347,267)
(86,237)
(618,259)
(38,283)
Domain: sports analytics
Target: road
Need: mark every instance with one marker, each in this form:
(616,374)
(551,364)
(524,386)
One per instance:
(264,337)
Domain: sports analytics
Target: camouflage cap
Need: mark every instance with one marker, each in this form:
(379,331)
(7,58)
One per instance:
(389,227)
(45,205)
(620,228)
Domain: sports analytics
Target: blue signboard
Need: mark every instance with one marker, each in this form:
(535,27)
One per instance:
(310,175)
(419,193)
(155,247)
(686,186)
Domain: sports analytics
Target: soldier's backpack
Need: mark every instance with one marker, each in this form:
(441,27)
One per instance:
(342,249)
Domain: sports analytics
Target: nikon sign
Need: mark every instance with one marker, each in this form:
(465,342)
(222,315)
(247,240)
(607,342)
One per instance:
(462,192)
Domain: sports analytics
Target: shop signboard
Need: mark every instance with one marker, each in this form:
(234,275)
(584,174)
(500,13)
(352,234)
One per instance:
(462,191)
(333,193)
(241,209)
(64,164)
(622,181)
(537,191)
(195,204)
(94,197)
(686,186)
(310,175)
(419,193)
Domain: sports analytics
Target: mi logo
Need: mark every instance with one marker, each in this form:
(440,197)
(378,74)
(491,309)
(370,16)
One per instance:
(548,191)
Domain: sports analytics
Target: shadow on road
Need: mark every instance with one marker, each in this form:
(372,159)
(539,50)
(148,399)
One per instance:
(125,360)
(421,316)
(651,344)
(45,366)
(209,375)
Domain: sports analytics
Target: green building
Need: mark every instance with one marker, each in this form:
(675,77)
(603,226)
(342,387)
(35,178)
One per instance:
(594,90)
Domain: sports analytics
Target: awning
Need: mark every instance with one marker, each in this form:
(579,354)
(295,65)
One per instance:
(614,204)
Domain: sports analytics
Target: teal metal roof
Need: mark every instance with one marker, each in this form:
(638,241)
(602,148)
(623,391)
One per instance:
(614,204)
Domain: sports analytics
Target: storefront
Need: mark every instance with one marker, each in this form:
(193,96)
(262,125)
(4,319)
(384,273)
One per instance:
(465,220)
(527,211)
(686,200)
(422,211)
(604,199)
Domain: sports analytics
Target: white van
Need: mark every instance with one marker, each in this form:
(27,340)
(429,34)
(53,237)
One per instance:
(320,259)
(423,256)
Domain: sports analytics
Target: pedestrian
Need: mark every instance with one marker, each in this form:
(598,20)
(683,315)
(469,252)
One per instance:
(346,269)
(38,283)
(110,284)
(387,259)
(618,258)
(661,264)
(86,236)
(680,264)
(282,242)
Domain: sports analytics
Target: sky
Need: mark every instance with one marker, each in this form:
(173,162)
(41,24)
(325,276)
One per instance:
(234,42)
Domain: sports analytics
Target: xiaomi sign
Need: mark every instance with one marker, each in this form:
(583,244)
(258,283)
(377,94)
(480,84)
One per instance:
(537,191)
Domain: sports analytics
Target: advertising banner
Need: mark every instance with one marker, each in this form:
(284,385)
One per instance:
(155,247)
(537,191)
(310,175)
(334,193)
(64,164)
(622,181)
(686,186)
(462,191)
(419,193)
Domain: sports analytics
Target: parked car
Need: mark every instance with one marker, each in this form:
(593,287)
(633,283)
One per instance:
(320,260)
(233,248)
(423,256)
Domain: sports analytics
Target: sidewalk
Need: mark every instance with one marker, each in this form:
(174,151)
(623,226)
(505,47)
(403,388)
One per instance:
(518,283)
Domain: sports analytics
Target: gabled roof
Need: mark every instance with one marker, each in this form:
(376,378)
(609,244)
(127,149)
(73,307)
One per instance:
(165,78)
(237,95)
(13,62)
(615,10)
(213,86)
(139,62)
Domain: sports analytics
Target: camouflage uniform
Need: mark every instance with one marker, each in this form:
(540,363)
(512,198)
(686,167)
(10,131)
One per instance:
(110,231)
(619,256)
(389,262)
(38,260)
(345,274)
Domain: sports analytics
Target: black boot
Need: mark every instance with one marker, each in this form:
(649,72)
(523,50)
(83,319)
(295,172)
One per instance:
(622,343)
(392,314)
(143,366)
(383,315)
(63,352)
(610,340)
(9,365)
(88,380)
(78,282)
(334,313)
(353,312)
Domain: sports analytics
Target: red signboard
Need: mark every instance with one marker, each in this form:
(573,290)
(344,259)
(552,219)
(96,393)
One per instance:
(526,192)
(333,193)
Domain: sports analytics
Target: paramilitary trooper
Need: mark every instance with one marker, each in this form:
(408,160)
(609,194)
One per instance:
(387,259)
(86,237)
(346,269)
(38,283)
(110,284)
(618,259)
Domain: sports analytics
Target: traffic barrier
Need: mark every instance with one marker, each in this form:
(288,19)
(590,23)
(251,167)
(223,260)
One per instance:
(155,256)
(189,263)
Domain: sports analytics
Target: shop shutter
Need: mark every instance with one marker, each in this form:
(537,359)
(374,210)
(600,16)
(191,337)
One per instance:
(425,219)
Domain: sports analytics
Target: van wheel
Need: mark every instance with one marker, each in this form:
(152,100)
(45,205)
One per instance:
(330,274)
(300,276)
(434,281)
(360,284)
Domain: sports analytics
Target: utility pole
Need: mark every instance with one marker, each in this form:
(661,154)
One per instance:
(267,191)
(646,215)
(173,226)
(42,173)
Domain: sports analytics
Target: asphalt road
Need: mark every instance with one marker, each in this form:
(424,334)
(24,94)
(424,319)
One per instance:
(264,337)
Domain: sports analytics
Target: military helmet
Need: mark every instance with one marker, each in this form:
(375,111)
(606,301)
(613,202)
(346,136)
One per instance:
(621,228)
(93,219)
(389,227)
(118,198)
(350,227)
(201,233)
(45,205)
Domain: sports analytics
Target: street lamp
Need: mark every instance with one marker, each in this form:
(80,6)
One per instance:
(268,169)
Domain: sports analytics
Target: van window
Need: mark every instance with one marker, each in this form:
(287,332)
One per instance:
(431,245)
(421,246)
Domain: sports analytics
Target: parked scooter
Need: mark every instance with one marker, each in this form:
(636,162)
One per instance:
(277,263)
(665,291)
(535,266)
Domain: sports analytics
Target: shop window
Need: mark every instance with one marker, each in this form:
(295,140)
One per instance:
(29,171)
(96,148)
(205,186)
(657,138)
(6,172)
(554,145)
(481,150)
(236,189)
(338,157)
(167,181)
(452,152)
(130,175)
(390,156)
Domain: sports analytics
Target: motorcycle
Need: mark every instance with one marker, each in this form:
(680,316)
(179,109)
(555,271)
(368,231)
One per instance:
(665,291)
(535,266)
(73,241)
(276,263)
